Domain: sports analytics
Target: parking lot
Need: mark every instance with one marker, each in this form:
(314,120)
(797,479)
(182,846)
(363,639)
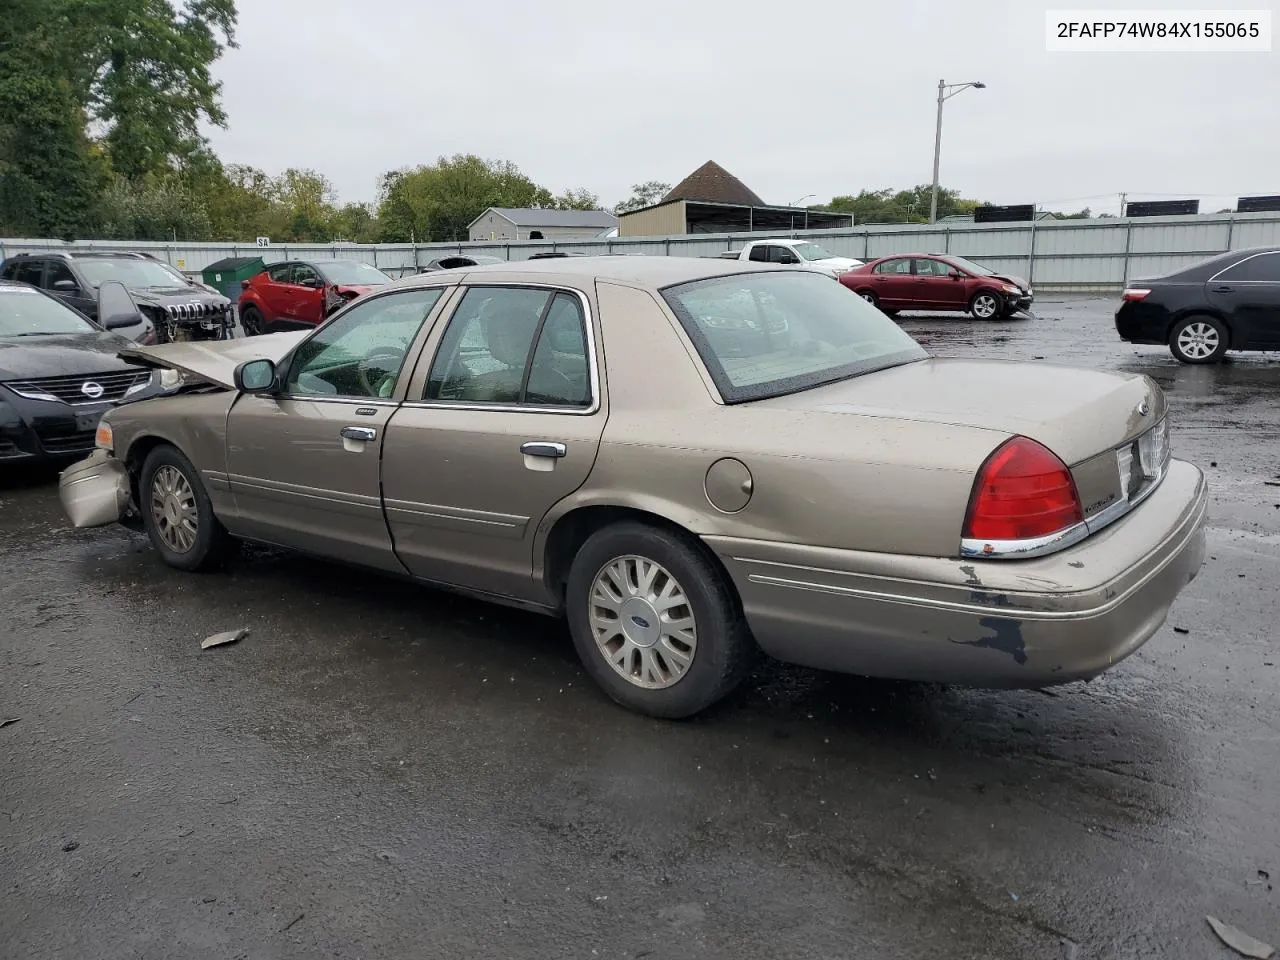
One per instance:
(381,770)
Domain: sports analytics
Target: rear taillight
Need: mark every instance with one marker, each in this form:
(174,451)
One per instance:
(1134,294)
(1023,492)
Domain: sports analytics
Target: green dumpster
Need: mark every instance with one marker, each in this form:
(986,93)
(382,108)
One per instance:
(225,275)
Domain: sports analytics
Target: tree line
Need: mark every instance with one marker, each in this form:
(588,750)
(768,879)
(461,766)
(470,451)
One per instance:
(100,107)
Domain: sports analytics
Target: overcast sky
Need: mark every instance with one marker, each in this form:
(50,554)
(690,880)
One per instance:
(794,98)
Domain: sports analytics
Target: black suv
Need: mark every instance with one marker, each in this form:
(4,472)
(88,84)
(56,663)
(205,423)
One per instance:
(175,308)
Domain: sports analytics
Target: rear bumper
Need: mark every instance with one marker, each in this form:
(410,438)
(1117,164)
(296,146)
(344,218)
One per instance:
(1026,623)
(1138,322)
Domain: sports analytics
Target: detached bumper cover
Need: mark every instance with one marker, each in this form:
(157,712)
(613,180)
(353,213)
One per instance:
(95,491)
(1025,623)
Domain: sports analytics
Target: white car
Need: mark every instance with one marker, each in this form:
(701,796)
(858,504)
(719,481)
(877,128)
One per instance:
(801,253)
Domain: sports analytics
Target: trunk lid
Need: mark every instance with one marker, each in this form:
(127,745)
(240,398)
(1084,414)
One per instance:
(1078,414)
(215,360)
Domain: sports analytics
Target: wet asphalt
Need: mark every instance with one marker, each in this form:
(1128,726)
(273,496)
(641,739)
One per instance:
(381,771)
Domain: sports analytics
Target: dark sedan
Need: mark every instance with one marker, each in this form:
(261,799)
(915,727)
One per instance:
(1227,302)
(59,371)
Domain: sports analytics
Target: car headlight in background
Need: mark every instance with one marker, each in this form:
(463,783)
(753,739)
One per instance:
(1012,289)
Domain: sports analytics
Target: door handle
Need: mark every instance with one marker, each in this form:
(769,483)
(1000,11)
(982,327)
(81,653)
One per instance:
(359,433)
(1223,289)
(543,448)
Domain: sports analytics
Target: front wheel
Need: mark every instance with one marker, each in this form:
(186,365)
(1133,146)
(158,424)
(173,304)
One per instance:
(985,305)
(1198,340)
(655,622)
(177,513)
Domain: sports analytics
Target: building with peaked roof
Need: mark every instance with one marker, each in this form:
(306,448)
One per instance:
(515,223)
(712,200)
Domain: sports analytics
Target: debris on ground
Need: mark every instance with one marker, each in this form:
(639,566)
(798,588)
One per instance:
(1241,942)
(70,845)
(221,639)
(293,921)
(1181,630)
(5,723)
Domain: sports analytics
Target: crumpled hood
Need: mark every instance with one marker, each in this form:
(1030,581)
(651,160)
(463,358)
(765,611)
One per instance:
(61,355)
(215,360)
(1020,282)
(172,296)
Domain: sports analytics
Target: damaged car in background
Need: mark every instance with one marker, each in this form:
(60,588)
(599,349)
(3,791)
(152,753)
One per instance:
(690,460)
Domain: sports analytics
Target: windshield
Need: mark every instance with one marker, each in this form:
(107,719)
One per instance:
(134,274)
(763,335)
(812,251)
(972,267)
(353,273)
(27,313)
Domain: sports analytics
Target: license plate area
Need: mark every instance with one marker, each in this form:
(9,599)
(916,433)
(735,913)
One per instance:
(87,422)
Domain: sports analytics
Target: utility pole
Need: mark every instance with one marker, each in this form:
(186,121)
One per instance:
(1123,196)
(944,95)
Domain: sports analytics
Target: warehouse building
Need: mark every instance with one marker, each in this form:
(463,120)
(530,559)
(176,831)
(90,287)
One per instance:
(510,223)
(712,200)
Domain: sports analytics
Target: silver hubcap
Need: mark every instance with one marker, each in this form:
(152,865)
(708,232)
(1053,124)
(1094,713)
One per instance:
(869,297)
(1198,340)
(642,622)
(984,306)
(173,507)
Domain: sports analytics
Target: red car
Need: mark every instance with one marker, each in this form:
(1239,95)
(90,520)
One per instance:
(932,281)
(295,295)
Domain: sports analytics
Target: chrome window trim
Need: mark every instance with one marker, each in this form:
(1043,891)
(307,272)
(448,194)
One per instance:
(326,398)
(1252,256)
(975,549)
(588,321)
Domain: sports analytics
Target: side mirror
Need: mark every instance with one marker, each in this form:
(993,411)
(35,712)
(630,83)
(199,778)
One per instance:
(66,286)
(311,282)
(255,376)
(116,308)
(955,274)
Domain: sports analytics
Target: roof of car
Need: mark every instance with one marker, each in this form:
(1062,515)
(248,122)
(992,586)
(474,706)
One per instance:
(655,271)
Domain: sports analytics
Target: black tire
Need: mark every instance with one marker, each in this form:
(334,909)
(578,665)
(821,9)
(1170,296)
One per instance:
(724,648)
(251,321)
(209,544)
(870,297)
(1199,339)
(987,305)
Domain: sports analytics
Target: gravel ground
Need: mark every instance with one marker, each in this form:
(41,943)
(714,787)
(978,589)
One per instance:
(383,771)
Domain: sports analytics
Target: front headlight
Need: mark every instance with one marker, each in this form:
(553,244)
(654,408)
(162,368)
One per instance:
(104,439)
(1012,289)
(170,378)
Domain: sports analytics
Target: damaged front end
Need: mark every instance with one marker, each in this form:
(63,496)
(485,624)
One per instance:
(96,491)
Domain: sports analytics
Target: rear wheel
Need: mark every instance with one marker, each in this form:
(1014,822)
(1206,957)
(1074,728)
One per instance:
(1198,340)
(251,321)
(870,297)
(986,305)
(177,513)
(655,622)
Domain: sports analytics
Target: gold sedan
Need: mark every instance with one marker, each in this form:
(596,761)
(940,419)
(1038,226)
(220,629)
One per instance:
(692,460)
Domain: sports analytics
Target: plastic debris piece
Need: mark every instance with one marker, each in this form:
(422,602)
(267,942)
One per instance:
(1241,942)
(1182,630)
(221,639)
(5,723)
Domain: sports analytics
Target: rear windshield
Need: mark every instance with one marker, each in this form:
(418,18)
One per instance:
(353,273)
(28,313)
(771,333)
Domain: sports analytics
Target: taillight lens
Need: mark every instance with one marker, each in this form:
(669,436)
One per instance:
(1022,492)
(1134,294)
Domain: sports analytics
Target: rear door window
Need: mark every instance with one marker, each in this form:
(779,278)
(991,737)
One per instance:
(1263,268)
(29,271)
(759,253)
(281,273)
(899,267)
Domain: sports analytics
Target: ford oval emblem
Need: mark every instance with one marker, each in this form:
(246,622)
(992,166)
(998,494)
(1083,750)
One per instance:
(1143,408)
(641,622)
(92,390)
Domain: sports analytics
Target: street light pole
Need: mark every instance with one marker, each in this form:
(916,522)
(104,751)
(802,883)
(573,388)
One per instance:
(943,95)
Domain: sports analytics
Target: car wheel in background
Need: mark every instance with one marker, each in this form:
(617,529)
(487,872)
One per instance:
(251,321)
(1199,339)
(177,513)
(870,297)
(655,621)
(986,305)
